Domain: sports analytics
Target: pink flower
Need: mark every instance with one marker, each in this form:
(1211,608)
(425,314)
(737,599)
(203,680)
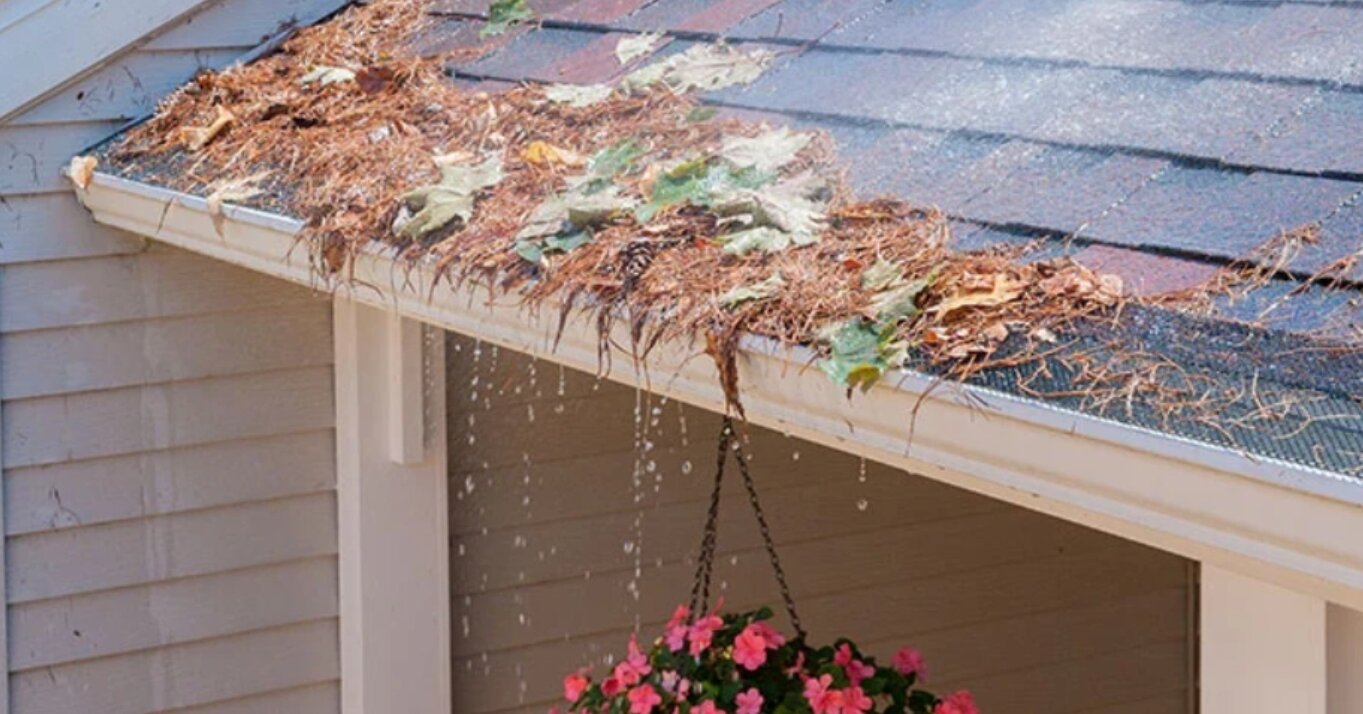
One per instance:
(642,699)
(910,661)
(855,668)
(774,639)
(612,686)
(707,707)
(821,699)
(858,670)
(959,703)
(855,701)
(702,633)
(750,648)
(750,702)
(670,681)
(676,629)
(574,685)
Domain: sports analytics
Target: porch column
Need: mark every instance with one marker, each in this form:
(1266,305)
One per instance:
(1263,647)
(1345,638)
(392,514)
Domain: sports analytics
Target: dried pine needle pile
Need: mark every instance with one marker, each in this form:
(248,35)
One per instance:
(630,199)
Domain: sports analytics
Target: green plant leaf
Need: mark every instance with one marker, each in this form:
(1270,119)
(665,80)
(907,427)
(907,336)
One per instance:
(860,352)
(761,290)
(437,205)
(794,207)
(577,95)
(766,152)
(900,302)
(634,46)
(502,14)
(763,238)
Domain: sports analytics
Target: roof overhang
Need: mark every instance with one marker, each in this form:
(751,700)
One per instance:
(1269,519)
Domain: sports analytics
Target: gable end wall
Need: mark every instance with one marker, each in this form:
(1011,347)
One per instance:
(168,452)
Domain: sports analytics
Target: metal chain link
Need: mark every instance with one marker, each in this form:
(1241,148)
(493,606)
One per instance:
(700,588)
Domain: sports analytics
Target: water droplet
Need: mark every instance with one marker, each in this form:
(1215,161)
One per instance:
(863,504)
(686,467)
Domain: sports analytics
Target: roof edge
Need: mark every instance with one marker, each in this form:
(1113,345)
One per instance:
(1271,519)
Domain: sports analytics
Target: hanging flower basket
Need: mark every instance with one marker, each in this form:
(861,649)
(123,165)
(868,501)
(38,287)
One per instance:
(737,663)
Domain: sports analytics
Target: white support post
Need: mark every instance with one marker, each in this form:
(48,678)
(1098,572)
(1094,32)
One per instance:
(406,404)
(1263,647)
(393,515)
(1345,636)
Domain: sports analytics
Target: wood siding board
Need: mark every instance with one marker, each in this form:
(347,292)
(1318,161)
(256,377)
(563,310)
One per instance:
(55,227)
(32,157)
(161,282)
(127,87)
(111,356)
(139,485)
(118,555)
(89,425)
(185,675)
(321,698)
(90,34)
(136,618)
(241,22)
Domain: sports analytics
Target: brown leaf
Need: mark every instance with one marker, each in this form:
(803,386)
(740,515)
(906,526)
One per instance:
(997,332)
(1003,289)
(374,79)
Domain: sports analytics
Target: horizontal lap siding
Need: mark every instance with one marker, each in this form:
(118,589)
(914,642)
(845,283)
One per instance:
(167,428)
(553,510)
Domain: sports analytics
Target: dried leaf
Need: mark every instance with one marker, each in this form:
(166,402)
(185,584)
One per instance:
(766,152)
(233,190)
(197,137)
(375,79)
(1042,334)
(763,238)
(323,75)
(704,67)
(883,275)
(542,153)
(899,302)
(997,332)
(81,170)
(437,205)
(794,206)
(502,14)
(634,46)
(762,290)
(1002,290)
(577,95)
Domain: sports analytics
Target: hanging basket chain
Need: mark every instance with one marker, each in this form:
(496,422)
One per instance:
(700,588)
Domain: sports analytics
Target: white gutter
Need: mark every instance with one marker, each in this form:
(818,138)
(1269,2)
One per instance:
(1269,519)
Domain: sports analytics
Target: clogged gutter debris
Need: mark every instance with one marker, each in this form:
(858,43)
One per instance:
(629,199)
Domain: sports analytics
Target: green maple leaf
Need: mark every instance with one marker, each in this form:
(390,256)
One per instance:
(437,205)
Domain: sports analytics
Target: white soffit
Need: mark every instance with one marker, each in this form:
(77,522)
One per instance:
(1269,519)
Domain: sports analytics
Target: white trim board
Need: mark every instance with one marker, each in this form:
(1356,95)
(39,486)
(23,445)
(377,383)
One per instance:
(1270,520)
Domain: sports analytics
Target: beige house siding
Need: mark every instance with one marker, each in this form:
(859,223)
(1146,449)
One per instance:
(168,452)
(558,521)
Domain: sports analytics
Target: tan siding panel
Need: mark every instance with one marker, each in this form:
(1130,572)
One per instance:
(129,619)
(242,22)
(127,88)
(81,560)
(32,157)
(79,359)
(324,698)
(121,421)
(84,493)
(183,675)
(162,282)
(55,227)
